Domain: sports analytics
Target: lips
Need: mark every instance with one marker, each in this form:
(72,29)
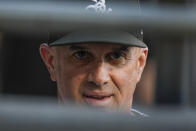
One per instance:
(98,99)
(96,96)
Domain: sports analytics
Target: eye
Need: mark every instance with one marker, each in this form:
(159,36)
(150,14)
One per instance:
(116,58)
(81,55)
(116,55)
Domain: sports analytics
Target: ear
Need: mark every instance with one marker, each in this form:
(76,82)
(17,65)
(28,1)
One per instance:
(47,55)
(142,61)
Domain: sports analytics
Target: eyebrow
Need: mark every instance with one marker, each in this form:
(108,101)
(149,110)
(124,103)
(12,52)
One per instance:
(77,47)
(122,48)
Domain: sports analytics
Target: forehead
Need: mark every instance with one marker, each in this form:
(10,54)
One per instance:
(94,46)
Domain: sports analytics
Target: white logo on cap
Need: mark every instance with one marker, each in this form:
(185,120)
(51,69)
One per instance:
(99,6)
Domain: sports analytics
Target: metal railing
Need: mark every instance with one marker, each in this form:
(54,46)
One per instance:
(51,15)
(20,114)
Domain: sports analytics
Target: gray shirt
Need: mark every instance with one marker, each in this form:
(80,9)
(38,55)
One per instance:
(137,113)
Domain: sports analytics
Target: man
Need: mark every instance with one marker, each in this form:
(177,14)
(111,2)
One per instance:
(96,67)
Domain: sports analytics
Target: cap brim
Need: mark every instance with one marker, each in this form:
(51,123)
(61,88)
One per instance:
(98,36)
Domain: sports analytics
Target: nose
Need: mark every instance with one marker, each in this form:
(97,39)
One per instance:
(99,75)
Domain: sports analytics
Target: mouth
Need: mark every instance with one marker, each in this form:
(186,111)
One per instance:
(98,99)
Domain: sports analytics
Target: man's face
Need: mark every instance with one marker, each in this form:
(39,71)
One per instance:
(100,75)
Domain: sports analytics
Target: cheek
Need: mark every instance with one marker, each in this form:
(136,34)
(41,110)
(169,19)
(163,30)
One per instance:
(126,80)
(69,81)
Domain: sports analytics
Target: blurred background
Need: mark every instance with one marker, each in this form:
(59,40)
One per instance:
(168,78)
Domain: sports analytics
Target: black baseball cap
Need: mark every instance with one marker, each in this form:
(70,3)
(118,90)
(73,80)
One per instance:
(98,35)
